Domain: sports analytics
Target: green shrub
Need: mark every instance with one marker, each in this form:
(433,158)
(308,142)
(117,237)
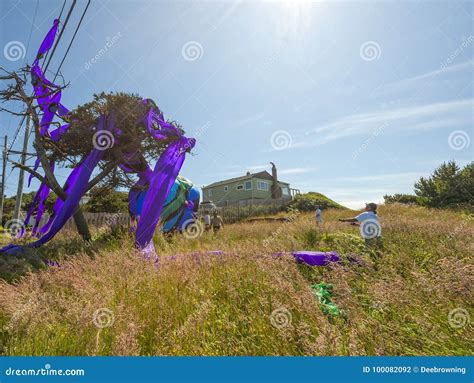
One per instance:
(309,202)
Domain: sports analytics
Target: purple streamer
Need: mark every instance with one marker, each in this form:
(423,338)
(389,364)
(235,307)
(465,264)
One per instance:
(165,172)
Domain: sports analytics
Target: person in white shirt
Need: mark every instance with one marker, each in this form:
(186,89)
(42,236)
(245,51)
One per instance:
(369,223)
(319,218)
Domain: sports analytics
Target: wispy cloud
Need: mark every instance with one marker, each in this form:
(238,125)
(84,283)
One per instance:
(258,168)
(289,171)
(247,120)
(418,117)
(442,71)
(399,177)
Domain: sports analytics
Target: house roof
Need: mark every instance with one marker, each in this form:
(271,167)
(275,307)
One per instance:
(262,175)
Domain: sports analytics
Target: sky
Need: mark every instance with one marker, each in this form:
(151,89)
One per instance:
(351,99)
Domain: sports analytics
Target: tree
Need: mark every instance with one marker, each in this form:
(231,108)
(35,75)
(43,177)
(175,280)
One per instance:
(130,136)
(108,202)
(447,186)
(408,199)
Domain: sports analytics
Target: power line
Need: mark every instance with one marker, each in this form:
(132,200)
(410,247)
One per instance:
(59,18)
(31,29)
(52,53)
(26,52)
(71,8)
(72,40)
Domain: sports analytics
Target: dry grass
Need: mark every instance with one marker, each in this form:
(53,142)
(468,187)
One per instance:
(198,304)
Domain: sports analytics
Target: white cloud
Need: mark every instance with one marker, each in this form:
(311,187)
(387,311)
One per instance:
(407,118)
(295,171)
(400,177)
(409,82)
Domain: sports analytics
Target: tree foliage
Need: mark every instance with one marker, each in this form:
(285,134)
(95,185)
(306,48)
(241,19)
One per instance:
(108,202)
(447,186)
(130,136)
(408,199)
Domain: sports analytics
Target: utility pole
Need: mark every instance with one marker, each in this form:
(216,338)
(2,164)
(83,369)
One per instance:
(19,192)
(4,167)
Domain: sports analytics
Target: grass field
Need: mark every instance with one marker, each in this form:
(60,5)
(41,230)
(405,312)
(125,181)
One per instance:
(412,299)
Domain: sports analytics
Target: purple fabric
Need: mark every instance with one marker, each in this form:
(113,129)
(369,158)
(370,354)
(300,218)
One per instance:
(77,187)
(43,196)
(48,99)
(57,133)
(316,258)
(48,40)
(49,111)
(165,172)
(159,181)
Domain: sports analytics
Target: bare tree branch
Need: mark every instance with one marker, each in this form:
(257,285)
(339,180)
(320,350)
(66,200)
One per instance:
(107,169)
(31,171)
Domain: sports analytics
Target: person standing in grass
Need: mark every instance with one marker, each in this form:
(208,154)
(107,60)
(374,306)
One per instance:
(319,218)
(207,221)
(217,223)
(370,228)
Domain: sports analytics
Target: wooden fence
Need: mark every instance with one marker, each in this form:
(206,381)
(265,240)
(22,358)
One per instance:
(230,214)
(96,220)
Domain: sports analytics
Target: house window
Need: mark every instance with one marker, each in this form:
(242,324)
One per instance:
(262,185)
(209,192)
(226,188)
(285,190)
(240,187)
(248,185)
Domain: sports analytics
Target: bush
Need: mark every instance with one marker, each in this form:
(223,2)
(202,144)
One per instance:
(309,202)
(408,199)
(449,186)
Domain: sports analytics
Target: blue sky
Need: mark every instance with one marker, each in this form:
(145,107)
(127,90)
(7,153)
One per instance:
(354,99)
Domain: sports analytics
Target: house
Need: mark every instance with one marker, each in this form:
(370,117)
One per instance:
(250,189)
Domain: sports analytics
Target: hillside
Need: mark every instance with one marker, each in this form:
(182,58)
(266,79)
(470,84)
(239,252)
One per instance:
(412,299)
(309,201)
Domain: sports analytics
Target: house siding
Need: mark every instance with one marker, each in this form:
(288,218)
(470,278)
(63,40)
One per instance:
(233,195)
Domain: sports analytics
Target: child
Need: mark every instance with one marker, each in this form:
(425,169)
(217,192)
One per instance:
(370,228)
(319,218)
(207,221)
(217,222)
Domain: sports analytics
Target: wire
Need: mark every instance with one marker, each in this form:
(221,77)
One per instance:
(71,8)
(59,18)
(31,29)
(26,51)
(52,53)
(72,40)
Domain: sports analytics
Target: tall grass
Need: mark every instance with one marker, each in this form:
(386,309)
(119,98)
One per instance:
(247,301)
